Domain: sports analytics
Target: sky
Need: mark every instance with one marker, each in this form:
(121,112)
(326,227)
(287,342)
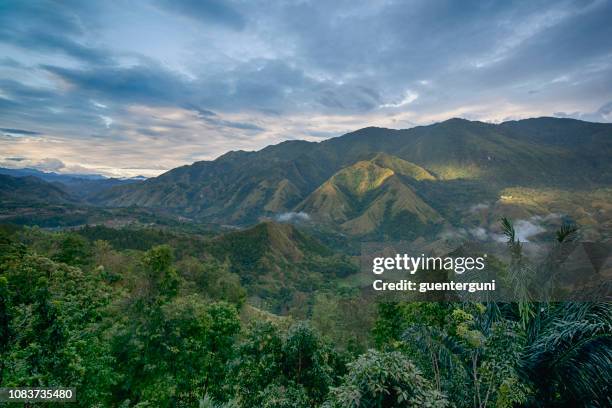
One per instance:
(126,88)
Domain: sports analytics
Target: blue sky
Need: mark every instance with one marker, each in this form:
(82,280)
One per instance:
(125,88)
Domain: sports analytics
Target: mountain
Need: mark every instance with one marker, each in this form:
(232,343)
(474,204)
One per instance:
(444,167)
(30,190)
(49,176)
(273,258)
(79,186)
(370,194)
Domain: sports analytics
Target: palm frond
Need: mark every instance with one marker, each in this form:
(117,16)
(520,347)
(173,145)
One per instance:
(567,232)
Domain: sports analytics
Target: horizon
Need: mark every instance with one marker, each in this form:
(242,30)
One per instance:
(59,172)
(104,87)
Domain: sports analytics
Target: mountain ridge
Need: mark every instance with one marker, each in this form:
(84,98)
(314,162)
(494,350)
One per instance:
(241,187)
(424,177)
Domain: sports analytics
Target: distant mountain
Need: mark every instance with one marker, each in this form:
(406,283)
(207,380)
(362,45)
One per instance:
(426,173)
(79,186)
(29,190)
(49,176)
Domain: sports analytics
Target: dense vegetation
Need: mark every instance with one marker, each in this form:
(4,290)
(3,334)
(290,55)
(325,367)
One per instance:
(154,318)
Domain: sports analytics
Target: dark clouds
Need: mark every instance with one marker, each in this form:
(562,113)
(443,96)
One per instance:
(58,27)
(208,11)
(245,74)
(19,131)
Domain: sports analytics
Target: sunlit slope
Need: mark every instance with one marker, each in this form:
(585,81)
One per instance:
(362,197)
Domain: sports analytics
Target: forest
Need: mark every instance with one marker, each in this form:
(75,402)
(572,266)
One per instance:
(148,317)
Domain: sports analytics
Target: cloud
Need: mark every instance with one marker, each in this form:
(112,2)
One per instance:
(603,114)
(48,164)
(143,83)
(408,98)
(479,233)
(50,27)
(107,120)
(208,11)
(19,132)
(526,229)
(293,217)
(226,75)
(479,207)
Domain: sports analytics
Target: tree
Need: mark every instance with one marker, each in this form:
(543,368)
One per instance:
(5,324)
(257,363)
(300,361)
(73,250)
(473,349)
(384,380)
(172,348)
(569,360)
(569,345)
(53,322)
(308,361)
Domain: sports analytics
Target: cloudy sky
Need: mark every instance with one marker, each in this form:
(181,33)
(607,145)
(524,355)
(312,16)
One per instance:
(138,87)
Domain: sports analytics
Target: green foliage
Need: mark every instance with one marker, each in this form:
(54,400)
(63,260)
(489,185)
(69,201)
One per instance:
(278,262)
(53,313)
(213,278)
(346,319)
(73,250)
(468,347)
(285,396)
(389,324)
(131,328)
(298,360)
(172,348)
(383,380)
(258,362)
(570,358)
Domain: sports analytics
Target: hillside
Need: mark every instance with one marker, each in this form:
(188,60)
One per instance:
(242,187)
(30,190)
(275,261)
(367,196)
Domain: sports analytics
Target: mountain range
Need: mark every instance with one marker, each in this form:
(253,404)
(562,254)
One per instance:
(373,182)
(78,186)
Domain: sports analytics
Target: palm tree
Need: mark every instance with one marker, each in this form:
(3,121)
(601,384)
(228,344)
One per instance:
(569,352)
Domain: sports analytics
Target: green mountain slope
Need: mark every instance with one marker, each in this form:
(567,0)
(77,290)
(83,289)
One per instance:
(363,197)
(276,261)
(244,187)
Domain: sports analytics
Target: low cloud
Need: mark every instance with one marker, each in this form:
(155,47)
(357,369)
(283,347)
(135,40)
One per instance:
(293,217)
(49,164)
(526,229)
(479,207)
(479,233)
